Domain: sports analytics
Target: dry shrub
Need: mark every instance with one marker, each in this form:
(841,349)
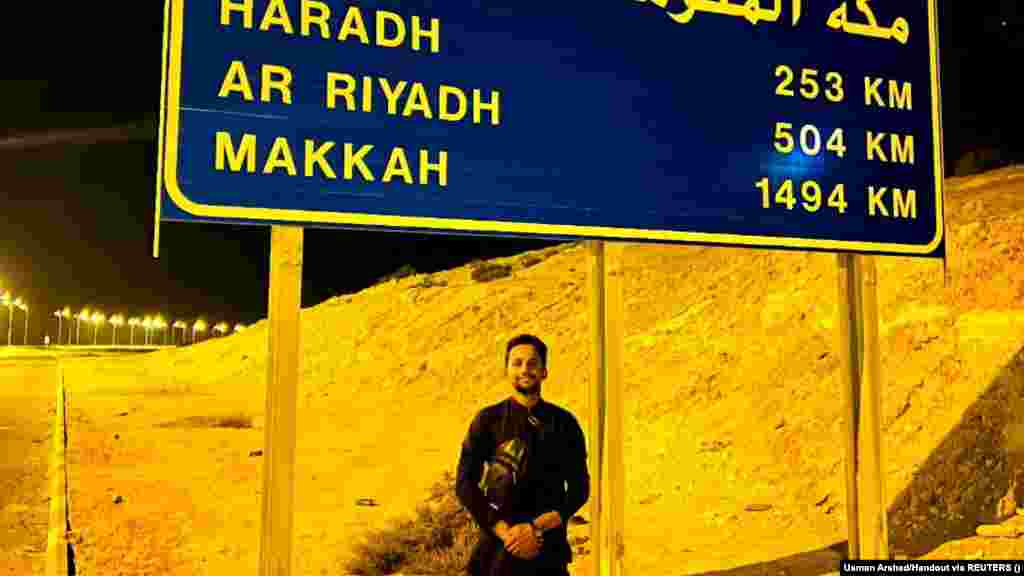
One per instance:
(237,420)
(234,421)
(531,260)
(404,271)
(429,281)
(438,540)
(486,272)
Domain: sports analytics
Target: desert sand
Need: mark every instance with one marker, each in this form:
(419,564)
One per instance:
(732,399)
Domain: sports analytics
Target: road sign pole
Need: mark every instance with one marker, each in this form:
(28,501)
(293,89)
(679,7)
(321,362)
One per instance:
(606,412)
(861,387)
(874,541)
(283,372)
(614,465)
(848,350)
(595,452)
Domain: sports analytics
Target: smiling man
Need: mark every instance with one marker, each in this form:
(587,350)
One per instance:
(522,473)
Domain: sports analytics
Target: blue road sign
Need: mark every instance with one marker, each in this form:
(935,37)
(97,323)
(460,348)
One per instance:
(770,123)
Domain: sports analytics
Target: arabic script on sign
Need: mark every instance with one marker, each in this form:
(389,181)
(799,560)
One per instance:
(837,20)
(750,10)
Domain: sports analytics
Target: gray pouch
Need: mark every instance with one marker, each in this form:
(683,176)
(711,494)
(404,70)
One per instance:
(502,475)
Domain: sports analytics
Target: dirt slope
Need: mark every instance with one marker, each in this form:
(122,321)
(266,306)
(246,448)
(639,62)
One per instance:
(732,399)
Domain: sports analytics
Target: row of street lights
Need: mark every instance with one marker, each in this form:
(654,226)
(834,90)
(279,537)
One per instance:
(11,303)
(152,327)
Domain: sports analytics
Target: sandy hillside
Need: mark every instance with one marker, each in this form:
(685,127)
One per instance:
(732,399)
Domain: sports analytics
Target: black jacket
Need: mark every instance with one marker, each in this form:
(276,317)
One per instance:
(555,478)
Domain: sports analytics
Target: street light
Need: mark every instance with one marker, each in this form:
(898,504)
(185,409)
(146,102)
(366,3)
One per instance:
(97,319)
(182,325)
(10,324)
(132,323)
(24,308)
(221,328)
(60,325)
(199,326)
(66,314)
(87,319)
(83,315)
(115,321)
(6,299)
(158,324)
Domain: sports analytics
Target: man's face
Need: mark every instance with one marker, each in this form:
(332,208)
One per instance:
(525,369)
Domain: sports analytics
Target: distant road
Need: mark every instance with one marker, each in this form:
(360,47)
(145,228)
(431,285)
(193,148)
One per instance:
(10,355)
(28,398)
(28,403)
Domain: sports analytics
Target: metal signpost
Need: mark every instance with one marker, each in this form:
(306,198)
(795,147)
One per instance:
(766,124)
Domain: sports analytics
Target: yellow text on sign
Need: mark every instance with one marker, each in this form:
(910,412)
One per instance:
(810,86)
(390,30)
(900,147)
(903,203)
(272,78)
(317,160)
(898,96)
(810,140)
(450,103)
(810,191)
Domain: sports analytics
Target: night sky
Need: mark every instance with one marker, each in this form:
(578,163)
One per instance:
(77,209)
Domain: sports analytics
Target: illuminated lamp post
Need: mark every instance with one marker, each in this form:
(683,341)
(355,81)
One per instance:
(97,319)
(158,325)
(180,325)
(82,316)
(199,326)
(24,308)
(221,328)
(115,321)
(132,323)
(6,299)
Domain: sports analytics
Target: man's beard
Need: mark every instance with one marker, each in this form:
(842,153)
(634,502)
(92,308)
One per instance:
(528,389)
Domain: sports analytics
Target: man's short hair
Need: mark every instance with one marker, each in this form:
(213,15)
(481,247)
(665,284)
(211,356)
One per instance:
(538,345)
